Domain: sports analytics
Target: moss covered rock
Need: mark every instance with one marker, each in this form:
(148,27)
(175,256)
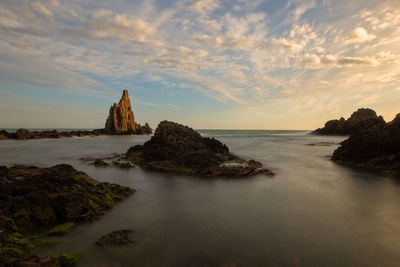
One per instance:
(116,238)
(35,196)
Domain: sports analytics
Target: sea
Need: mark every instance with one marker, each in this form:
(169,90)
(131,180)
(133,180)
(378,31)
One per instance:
(312,212)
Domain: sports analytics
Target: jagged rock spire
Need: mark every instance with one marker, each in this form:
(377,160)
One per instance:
(121,118)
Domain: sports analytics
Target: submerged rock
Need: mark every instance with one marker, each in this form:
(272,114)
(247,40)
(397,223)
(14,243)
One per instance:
(34,261)
(374,147)
(116,238)
(33,196)
(62,229)
(121,119)
(180,149)
(100,162)
(360,119)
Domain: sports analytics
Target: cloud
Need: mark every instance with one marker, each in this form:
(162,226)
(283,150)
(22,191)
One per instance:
(42,9)
(332,60)
(204,6)
(360,35)
(105,24)
(240,53)
(285,44)
(299,9)
(350,61)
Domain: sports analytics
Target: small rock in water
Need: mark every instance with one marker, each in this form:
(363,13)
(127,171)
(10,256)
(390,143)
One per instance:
(116,238)
(123,164)
(100,162)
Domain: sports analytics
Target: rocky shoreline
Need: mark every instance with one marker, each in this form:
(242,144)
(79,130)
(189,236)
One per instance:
(360,119)
(24,134)
(33,197)
(376,147)
(179,149)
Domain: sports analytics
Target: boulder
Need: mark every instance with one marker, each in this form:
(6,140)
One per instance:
(180,149)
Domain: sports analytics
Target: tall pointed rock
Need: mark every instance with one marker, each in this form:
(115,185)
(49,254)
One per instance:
(121,119)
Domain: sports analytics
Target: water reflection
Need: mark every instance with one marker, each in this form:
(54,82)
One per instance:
(312,213)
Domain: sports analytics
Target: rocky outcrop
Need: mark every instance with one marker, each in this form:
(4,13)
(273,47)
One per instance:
(33,196)
(23,134)
(360,119)
(121,119)
(376,146)
(180,149)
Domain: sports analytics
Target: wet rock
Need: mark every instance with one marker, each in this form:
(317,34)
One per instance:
(374,147)
(68,259)
(123,164)
(322,144)
(62,229)
(34,196)
(360,119)
(180,149)
(116,238)
(100,162)
(33,261)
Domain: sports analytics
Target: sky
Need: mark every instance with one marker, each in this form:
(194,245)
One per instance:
(209,64)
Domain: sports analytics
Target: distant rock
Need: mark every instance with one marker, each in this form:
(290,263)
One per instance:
(121,119)
(4,135)
(24,134)
(375,146)
(360,119)
(180,149)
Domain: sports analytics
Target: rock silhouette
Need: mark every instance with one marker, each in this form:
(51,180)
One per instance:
(360,119)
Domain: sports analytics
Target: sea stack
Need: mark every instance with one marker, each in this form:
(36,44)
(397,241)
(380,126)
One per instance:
(121,119)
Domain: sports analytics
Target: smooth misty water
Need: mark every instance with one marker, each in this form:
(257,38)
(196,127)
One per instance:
(312,213)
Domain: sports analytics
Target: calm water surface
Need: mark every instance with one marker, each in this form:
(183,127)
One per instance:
(313,212)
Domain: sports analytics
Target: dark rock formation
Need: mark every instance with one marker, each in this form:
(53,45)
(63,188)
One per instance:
(375,146)
(33,196)
(180,149)
(121,119)
(360,119)
(23,134)
(116,238)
